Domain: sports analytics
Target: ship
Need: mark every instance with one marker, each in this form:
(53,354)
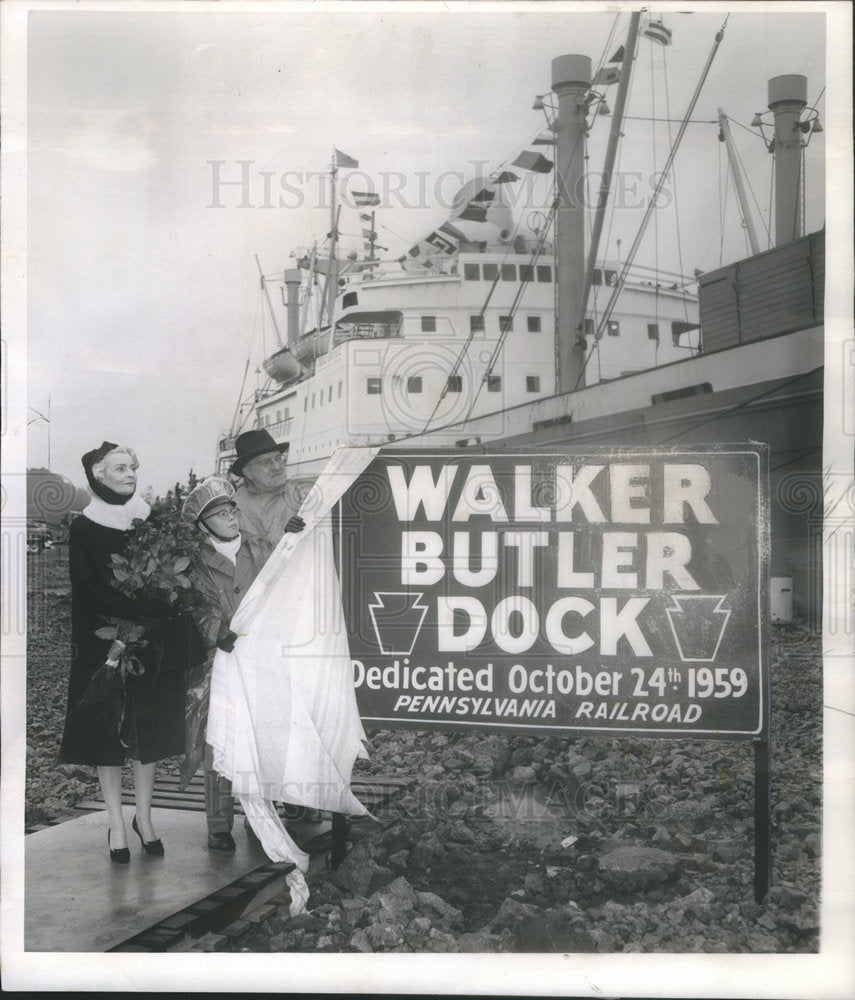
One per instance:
(490,334)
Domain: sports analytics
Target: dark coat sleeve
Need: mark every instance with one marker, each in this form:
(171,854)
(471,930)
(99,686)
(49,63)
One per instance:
(96,591)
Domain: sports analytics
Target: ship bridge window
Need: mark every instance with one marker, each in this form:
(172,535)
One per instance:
(491,272)
(373,386)
(476,324)
(533,324)
(544,272)
(597,278)
(613,328)
(611,278)
(428,324)
(509,272)
(590,328)
(653,331)
(455,383)
(506,323)
(526,272)
(494,383)
(472,272)
(350,299)
(532,383)
(414,383)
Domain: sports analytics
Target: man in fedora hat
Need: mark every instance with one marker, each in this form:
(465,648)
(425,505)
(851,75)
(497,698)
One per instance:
(267,501)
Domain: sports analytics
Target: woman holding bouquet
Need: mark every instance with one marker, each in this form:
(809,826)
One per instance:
(136,712)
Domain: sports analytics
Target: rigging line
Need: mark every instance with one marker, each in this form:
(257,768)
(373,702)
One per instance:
(455,368)
(655,151)
(661,181)
(754,134)
(743,405)
(503,333)
(673,121)
(723,183)
(747,180)
(803,454)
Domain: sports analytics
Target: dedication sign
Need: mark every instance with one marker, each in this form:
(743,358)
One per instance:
(606,590)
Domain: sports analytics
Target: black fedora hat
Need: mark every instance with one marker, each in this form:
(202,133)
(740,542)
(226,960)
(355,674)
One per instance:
(250,445)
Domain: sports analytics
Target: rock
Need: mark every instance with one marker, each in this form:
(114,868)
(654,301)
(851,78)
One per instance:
(441,914)
(459,833)
(787,896)
(482,764)
(727,850)
(359,940)
(395,902)
(696,901)
(479,942)
(551,931)
(440,942)
(524,773)
(630,869)
(426,849)
(662,837)
(582,771)
(511,912)
(359,874)
(399,860)
(385,935)
(813,845)
(688,816)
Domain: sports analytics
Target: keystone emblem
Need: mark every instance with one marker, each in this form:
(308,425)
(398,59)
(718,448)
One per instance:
(397,617)
(697,623)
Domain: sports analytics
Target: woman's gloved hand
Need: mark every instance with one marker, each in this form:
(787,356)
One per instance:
(295,524)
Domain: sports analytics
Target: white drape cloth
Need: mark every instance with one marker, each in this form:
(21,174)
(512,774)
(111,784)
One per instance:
(283,721)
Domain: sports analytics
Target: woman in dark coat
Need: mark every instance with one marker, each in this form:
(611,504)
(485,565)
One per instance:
(153,726)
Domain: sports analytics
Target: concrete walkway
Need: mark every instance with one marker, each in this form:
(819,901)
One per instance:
(76,900)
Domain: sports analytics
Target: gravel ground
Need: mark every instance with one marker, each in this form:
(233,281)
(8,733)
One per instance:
(524,844)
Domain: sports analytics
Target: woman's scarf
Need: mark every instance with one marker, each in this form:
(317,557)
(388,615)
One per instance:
(121,517)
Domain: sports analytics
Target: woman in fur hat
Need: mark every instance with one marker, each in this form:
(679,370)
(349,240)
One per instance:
(152,726)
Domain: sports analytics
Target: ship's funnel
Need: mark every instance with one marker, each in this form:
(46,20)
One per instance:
(571,80)
(292,284)
(787,99)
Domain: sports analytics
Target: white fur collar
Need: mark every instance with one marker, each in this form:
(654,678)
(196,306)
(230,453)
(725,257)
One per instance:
(118,516)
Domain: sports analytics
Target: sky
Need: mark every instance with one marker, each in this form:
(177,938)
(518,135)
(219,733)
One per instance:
(143,297)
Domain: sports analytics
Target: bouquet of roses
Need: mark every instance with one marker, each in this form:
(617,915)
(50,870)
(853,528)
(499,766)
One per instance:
(152,570)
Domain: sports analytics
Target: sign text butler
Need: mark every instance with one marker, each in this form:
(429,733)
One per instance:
(600,590)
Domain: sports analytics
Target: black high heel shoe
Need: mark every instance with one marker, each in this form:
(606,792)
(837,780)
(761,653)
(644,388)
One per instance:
(152,847)
(121,856)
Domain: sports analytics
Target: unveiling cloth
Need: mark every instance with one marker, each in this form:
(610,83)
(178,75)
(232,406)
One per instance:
(283,721)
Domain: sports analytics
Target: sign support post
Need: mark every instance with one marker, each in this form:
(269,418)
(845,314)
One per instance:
(762,831)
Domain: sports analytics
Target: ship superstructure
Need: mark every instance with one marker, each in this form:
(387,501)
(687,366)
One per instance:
(485,336)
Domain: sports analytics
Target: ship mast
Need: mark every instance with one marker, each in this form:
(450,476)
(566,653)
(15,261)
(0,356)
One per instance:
(571,80)
(331,286)
(738,181)
(608,165)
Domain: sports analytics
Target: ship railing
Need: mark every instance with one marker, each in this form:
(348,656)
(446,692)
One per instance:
(367,331)
(280,426)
